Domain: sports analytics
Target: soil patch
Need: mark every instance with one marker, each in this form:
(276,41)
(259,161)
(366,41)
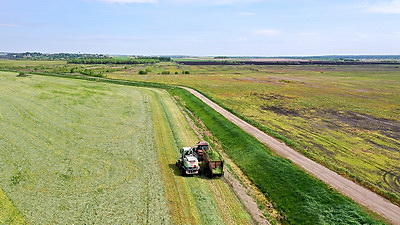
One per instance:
(280,110)
(270,96)
(390,128)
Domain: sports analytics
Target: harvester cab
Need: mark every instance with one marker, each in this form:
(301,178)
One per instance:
(199,149)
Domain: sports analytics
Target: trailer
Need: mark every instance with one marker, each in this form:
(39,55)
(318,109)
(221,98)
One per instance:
(213,167)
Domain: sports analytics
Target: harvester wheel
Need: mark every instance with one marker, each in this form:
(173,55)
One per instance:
(183,172)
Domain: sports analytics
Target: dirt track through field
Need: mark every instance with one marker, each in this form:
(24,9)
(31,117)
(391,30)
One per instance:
(347,187)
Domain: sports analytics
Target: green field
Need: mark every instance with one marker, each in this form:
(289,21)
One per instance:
(315,106)
(346,117)
(74,151)
(299,197)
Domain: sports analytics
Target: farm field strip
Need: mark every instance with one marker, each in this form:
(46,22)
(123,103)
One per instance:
(207,201)
(358,193)
(86,152)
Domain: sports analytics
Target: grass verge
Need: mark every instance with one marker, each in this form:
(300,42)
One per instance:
(301,198)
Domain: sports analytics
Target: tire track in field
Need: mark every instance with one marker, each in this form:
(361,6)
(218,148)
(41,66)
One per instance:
(228,204)
(347,187)
(178,195)
(201,197)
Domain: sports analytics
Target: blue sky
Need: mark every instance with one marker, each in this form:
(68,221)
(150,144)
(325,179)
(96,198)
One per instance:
(201,27)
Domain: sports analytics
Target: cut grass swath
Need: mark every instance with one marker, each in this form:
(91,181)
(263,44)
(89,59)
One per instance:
(74,151)
(9,214)
(84,152)
(192,200)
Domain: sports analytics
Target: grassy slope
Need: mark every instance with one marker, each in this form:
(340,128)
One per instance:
(316,106)
(301,198)
(78,152)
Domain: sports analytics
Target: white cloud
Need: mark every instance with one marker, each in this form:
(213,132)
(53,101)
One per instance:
(247,14)
(213,2)
(185,2)
(387,7)
(105,38)
(130,1)
(8,25)
(268,32)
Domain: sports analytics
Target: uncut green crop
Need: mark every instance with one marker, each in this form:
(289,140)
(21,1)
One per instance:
(78,152)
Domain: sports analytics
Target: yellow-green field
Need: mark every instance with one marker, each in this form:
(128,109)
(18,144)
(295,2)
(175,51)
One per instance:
(78,152)
(346,117)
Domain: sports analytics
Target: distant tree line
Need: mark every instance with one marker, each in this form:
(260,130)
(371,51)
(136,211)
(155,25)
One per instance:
(51,56)
(137,60)
(78,58)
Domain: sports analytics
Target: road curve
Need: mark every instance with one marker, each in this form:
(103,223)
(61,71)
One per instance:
(358,193)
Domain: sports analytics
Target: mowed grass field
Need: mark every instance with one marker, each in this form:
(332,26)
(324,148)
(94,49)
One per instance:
(79,152)
(346,117)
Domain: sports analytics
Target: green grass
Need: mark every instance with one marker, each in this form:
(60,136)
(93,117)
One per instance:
(299,197)
(94,152)
(9,214)
(339,116)
(197,195)
(74,151)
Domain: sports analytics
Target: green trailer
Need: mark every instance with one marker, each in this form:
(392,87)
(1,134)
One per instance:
(212,163)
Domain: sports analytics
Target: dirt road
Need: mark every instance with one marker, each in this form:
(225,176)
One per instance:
(347,187)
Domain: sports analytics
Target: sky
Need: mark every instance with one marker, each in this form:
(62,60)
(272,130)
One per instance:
(202,27)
